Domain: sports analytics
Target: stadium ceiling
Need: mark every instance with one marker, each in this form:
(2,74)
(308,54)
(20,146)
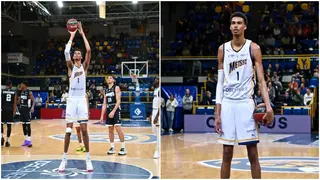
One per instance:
(49,12)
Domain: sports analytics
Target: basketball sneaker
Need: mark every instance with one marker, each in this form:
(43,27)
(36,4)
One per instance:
(83,149)
(89,165)
(111,151)
(25,143)
(7,144)
(156,155)
(63,165)
(122,152)
(171,130)
(2,141)
(29,144)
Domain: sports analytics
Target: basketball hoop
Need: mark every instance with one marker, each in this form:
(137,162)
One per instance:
(134,78)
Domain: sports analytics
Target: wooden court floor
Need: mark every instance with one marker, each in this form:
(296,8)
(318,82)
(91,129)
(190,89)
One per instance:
(47,140)
(199,155)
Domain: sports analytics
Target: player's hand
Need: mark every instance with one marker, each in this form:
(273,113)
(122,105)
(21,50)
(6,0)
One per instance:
(32,110)
(80,28)
(217,125)
(101,120)
(156,120)
(111,114)
(268,118)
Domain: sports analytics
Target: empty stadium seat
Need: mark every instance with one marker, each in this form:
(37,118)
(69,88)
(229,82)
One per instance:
(287,111)
(297,111)
(305,111)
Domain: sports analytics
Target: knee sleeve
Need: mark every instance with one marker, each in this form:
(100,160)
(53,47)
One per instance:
(68,130)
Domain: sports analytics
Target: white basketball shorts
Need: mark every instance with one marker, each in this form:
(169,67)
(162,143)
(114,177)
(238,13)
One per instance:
(77,110)
(237,122)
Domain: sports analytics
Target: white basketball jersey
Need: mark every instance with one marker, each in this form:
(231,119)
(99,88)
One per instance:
(156,98)
(239,75)
(77,82)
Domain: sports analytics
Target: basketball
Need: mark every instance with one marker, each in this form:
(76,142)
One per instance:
(72,25)
(259,112)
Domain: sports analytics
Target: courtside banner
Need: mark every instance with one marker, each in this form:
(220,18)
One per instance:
(59,113)
(281,124)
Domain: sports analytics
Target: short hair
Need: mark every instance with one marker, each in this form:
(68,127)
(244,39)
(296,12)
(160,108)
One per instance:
(9,82)
(78,49)
(240,14)
(25,83)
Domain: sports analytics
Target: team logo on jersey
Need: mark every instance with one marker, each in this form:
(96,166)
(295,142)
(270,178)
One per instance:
(273,164)
(235,64)
(78,73)
(48,169)
(104,137)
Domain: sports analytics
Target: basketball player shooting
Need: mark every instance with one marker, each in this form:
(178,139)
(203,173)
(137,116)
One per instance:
(77,110)
(111,105)
(235,90)
(154,117)
(7,112)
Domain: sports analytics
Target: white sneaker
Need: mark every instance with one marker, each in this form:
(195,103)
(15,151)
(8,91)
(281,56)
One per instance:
(171,130)
(162,130)
(63,165)
(156,155)
(181,130)
(111,151)
(89,165)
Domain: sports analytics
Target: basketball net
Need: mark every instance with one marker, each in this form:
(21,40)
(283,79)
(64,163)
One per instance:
(135,80)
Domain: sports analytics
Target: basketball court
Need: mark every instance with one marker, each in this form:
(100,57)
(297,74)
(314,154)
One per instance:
(282,156)
(42,160)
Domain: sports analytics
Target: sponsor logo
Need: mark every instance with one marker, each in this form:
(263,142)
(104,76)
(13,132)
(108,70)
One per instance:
(277,164)
(104,137)
(48,169)
(137,111)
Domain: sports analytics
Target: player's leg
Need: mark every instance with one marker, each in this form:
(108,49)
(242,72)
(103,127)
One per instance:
(63,163)
(8,134)
(120,133)
(227,138)
(247,133)
(156,131)
(111,138)
(81,145)
(28,125)
(254,161)
(24,121)
(85,135)
(2,138)
(226,161)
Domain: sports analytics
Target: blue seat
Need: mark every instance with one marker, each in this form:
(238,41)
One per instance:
(297,111)
(63,106)
(314,82)
(287,111)
(305,111)
(55,105)
(99,106)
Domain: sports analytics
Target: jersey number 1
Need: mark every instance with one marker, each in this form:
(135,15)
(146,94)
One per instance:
(237,75)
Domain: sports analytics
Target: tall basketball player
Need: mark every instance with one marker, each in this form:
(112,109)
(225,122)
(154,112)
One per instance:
(7,113)
(111,104)
(154,118)
(25,109)
(234,122)
(77,110)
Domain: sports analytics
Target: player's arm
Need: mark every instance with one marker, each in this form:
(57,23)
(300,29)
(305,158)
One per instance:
(33,101)
(67,53)
(256,54)
(219,91)
(15,103)
(118,99)
(88,49)
(104,107)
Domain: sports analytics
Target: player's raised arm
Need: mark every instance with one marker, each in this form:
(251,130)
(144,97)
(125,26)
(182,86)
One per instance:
(219,91)
(88,49)
(256,53)
(67,53)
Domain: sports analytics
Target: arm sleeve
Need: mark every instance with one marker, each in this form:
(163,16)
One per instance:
(219,91)
(67,51)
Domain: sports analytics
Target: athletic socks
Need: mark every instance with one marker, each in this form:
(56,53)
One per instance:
(64,155)
(112,145)
(123,145)
(88,155)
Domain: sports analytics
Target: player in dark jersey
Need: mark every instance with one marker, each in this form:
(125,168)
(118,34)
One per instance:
(25,109)
(111,104)
(7,113)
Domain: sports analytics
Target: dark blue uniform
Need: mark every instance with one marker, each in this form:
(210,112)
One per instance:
(25,115)
(7,101)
